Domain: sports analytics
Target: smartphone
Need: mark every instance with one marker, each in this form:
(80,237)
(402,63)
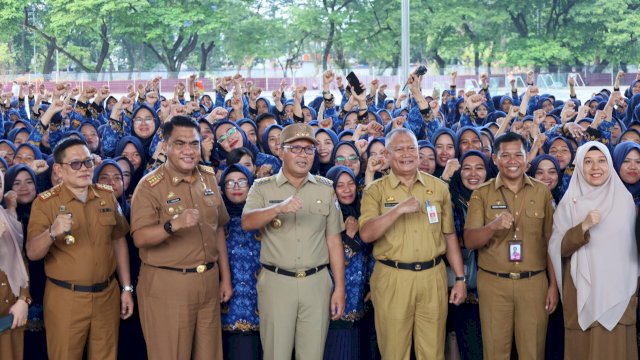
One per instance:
(6,322)
(421,70)
(355,83)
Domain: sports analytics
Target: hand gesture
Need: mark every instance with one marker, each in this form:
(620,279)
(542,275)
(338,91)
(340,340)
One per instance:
(592,219)
(361,144)
(539,140)
(255,93)
(409,205)
(226,291)
(277,95)
(339,81)
(502,221)
(326,123)
(375,129)
(382,89)
(39,166)
(538,116)
(327,78)
(530,76)
(19,310)
(532,91)
(375,164)
(10,200)
(264,171)
(454,76)
(398,122)
(217,114)
(474,101)
(152,98)
(189,218)
(572,81)
(62,224)
(291,205)
(450,168)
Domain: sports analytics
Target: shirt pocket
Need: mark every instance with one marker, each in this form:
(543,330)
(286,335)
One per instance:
(210,209)
(534,222)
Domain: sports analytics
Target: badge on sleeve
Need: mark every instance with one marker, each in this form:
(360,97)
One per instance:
(432,213)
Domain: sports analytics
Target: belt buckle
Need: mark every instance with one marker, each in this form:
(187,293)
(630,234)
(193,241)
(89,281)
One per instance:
(201,268)
(417,267)
(301,274)
(514,276)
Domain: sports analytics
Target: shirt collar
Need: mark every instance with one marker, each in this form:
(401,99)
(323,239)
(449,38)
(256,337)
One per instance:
(395,181)
(66,195)
(281,179)
(176,177)
(500,183)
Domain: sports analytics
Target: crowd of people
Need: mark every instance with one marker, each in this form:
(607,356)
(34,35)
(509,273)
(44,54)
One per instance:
(355,225)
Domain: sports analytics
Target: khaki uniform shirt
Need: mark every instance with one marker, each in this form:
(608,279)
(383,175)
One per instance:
(532,209)
(300,243)
(96,223)
(163,194)
(411,238)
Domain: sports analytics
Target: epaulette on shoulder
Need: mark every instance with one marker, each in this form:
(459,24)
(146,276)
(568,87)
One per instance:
(207,169)
(324,180)
(54,191)
(264,180)
(154,179)
(104,187)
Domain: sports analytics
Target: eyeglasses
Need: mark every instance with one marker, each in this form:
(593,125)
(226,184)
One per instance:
(343,160)
(230,184)
(76,165)
(297,149)
(229,132)
(145,120)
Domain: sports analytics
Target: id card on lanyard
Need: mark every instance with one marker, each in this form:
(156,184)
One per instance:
(515,250)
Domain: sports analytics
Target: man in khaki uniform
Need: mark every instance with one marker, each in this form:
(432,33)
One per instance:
(510,221)
(300,221)
(408,216)
(177,221)
(79,229)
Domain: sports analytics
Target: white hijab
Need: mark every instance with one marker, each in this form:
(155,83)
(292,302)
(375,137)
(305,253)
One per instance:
(605,270)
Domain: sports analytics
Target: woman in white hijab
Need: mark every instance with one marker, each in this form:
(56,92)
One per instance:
(14,280)
(593,242)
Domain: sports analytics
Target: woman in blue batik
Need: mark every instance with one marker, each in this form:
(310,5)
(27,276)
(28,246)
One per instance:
(240,322)
(344,340)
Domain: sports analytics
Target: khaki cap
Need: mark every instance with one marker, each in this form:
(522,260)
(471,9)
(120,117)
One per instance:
(297,131)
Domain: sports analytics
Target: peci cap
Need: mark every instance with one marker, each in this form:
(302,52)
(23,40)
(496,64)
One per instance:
(297,131)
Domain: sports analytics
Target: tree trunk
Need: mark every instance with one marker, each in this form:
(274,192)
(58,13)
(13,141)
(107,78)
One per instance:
(601,66)
(328,45)
(476,60)
(623,67)
(49,61)
(553,68)
(205,51)
(440,61)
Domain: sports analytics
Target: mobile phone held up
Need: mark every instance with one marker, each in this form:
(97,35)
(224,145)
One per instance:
(421,70)
(355,83)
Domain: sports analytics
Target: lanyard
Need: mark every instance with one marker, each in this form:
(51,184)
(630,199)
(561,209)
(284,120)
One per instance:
(517,215)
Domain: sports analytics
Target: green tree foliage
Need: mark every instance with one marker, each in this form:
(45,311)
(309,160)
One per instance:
(96,35)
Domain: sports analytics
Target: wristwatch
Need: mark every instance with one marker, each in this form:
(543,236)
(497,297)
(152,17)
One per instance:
(128,288)
(461,278)
(168,228)
(26,299)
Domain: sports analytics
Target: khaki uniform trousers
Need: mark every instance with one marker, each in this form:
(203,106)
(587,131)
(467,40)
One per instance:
(74,319)
(294,311)
(513,305)
(180,314)
(410,305)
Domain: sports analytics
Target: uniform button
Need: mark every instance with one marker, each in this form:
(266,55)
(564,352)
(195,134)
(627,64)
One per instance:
(3,284)
(516,213)
(6,301)
(535,213)
(516,196)
(517,229)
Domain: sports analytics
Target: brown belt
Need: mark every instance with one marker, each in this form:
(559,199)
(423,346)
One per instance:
(514,275)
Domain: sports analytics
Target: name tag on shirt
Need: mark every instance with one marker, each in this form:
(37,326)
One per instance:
(432,213)
(275,201)
(499,207)
(208,192)
(390,205)
(173,201)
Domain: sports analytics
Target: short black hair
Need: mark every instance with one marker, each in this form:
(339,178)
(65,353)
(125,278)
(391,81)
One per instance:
(62,146)
(178,121)
(264,116)
(234,156)
(507,138)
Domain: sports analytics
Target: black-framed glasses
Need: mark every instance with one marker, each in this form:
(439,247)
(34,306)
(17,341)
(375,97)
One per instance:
(229,132)
(230,184)
(76,165)
(298,149)
(349,159)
